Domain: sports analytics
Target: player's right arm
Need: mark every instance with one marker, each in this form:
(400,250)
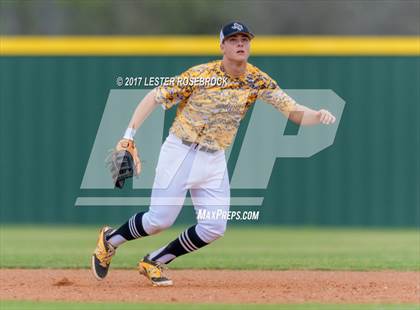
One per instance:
(121,167)
(142,111)
(125,162)
(164,95)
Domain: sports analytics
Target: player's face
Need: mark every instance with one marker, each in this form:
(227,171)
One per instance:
(236,47)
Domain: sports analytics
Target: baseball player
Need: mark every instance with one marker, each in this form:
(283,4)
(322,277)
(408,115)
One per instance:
(192,156)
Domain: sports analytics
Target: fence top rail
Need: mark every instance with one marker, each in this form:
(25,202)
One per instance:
(207,45)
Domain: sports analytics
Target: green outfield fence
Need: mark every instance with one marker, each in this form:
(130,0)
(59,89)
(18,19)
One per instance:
(51,106)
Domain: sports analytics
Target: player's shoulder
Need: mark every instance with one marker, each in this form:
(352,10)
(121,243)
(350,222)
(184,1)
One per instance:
(257,72)
(260,77)
(204,67)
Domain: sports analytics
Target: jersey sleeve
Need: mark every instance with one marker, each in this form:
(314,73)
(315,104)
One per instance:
(272,94)
(175,92)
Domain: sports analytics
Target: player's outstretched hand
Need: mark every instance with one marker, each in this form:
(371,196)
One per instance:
(325,117)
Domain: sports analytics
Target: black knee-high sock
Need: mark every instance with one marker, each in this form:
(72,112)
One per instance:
(132,229)
(188,241)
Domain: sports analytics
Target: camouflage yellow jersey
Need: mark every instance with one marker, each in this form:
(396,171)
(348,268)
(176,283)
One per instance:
(211,103)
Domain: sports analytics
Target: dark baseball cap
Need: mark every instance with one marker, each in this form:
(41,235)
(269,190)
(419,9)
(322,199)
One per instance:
(234,28)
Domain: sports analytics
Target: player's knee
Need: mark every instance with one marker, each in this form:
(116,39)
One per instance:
(212,231)
(156,225)
(161,224)
(217,234)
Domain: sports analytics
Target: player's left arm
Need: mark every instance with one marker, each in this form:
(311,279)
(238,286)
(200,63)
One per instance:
(297,113)
(303,115)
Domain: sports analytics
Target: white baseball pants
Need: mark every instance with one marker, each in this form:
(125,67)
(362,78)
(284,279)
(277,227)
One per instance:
(181,168)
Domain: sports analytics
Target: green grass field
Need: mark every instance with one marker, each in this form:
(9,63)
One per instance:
(241,248)
(12,305)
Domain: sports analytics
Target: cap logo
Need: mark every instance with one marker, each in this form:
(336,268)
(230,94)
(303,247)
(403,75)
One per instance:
(237,26)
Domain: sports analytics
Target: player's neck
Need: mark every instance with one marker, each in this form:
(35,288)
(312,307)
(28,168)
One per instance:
(234,68)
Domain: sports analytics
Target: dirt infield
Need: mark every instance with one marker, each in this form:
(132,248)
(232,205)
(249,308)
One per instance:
(214,286)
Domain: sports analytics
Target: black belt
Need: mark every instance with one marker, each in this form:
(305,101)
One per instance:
(202,148)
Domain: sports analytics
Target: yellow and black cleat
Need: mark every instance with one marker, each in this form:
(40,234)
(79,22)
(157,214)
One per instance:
(153,271)
(101,258)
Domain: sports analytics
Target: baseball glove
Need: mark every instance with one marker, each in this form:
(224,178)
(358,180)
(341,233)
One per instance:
(124,162)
